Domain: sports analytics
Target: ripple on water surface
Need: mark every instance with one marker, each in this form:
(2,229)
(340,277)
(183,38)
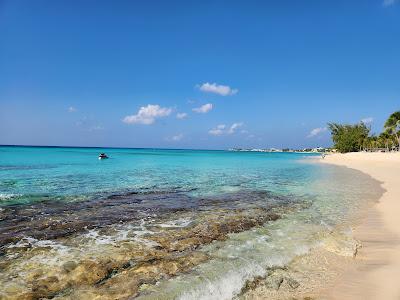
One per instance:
(170,225)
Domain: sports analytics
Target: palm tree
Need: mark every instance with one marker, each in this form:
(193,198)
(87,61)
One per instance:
(392,126)
(374,143)
(392,142)
(384,139)
(365,144)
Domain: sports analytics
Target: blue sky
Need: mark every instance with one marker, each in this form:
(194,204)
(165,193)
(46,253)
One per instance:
(195,74)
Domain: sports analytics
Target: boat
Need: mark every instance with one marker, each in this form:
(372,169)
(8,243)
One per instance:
(103,156)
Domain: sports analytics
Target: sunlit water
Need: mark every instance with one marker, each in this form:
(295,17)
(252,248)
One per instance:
(162,224)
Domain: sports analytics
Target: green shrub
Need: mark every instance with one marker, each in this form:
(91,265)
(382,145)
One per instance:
(348,138)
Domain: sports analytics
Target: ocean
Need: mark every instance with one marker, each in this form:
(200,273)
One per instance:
(163,224)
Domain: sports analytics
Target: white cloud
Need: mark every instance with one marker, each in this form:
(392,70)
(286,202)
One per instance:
(203,109)
(148,114)
(71,109)
(175,138)
(368,120)
(387,3)
(223,129)
(220,129)
(223,90)
(181,115)
(317,131)
(234,127)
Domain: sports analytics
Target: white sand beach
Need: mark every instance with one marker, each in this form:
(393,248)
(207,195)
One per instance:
(377,272)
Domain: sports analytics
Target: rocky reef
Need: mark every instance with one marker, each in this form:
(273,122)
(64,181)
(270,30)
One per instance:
(114,250)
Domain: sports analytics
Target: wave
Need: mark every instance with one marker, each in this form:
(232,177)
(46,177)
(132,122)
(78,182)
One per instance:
(10,196)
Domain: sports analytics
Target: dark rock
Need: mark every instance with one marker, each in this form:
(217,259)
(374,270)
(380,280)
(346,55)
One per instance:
(252,284)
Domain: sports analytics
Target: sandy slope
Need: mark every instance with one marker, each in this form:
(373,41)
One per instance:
(378,276)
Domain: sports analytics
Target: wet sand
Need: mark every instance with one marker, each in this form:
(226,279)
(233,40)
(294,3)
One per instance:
(376,272)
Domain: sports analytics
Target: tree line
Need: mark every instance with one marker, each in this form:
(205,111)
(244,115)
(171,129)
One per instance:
(358,137)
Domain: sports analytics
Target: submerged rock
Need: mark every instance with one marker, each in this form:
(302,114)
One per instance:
(118,268)
(253,284)
(216,228)
(70,266)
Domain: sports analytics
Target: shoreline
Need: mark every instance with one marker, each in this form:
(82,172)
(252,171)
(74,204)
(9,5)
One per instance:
(364,263)
(315,260)
(375,273)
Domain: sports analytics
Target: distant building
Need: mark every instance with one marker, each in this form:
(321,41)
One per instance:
(306,150)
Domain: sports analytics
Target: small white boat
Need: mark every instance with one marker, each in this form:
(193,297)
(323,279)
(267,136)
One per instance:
(103,156)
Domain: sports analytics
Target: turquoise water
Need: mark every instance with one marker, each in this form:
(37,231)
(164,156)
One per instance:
(164,224)
(29,173)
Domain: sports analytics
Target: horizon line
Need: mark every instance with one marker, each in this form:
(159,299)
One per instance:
(149,148)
